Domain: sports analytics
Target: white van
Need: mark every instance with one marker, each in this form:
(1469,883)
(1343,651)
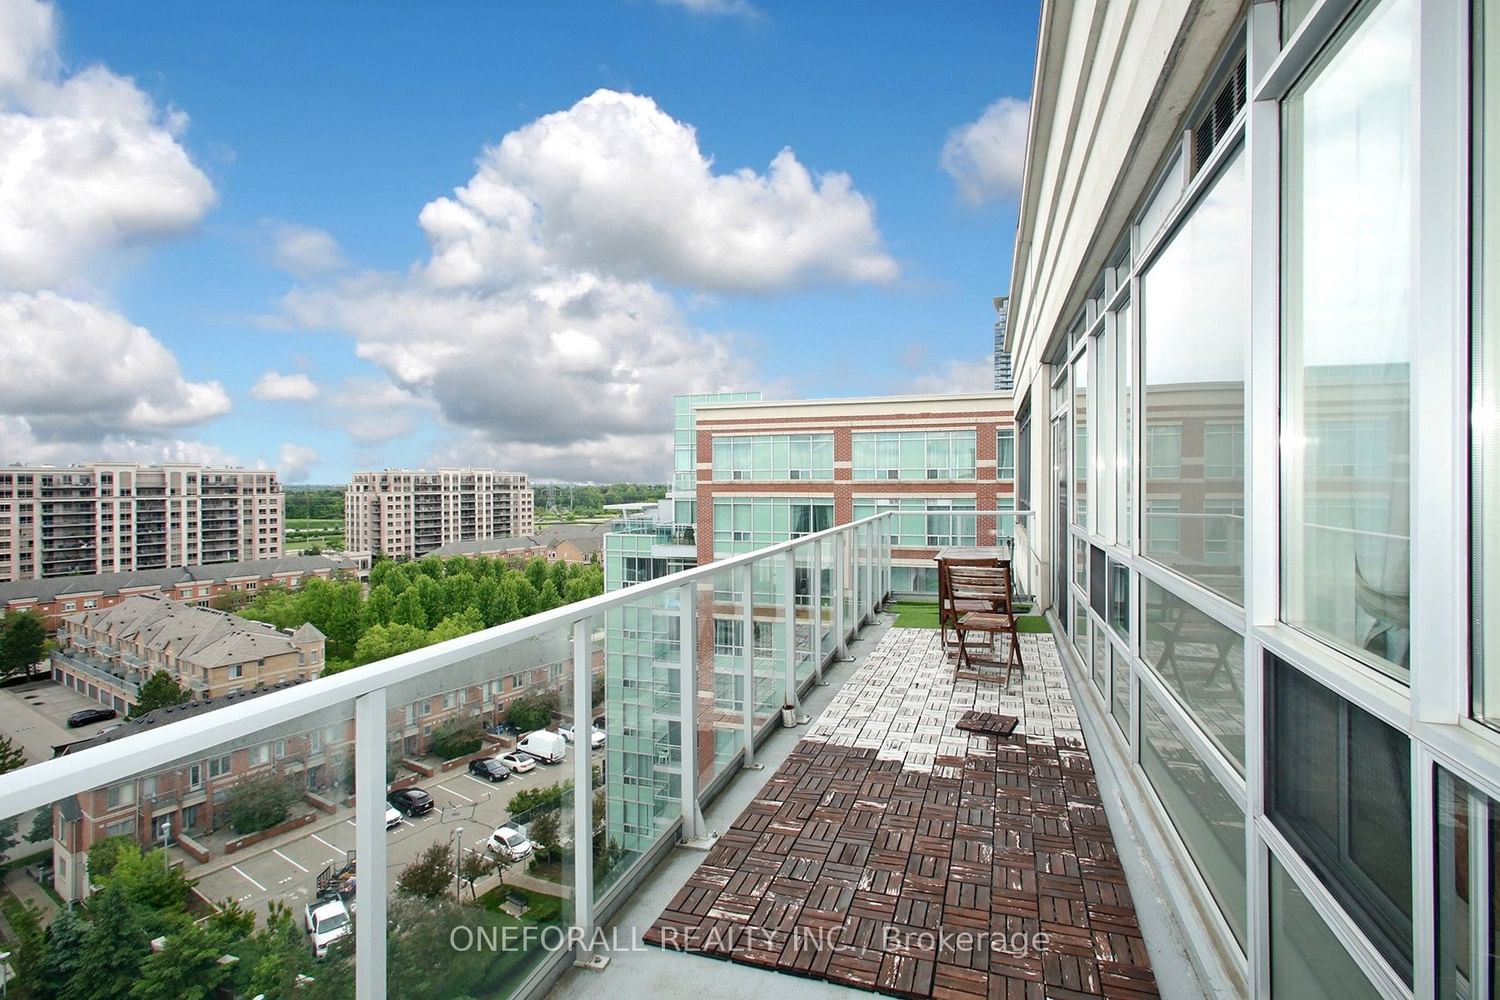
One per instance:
(549,748)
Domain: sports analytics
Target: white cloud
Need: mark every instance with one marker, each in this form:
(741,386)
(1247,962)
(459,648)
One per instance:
(275,386)
(295,461)
(376,410)
(987,157)
(75,370)
(733,8)
(615,186)
(954,376)
(19,443)
(88,162)
(303,251)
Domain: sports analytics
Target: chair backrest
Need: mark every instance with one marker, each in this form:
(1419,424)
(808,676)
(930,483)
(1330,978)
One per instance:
(990,584)
(946,610)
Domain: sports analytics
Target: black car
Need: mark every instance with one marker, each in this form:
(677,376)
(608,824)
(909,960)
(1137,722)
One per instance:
(411,801)
(489,769)
(89,716)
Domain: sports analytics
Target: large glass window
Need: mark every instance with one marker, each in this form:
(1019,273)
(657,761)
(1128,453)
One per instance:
(1468,941)
(1124,421)
(1195,313)
(1307,961)
(1485,419)
(914,455)
(1005,454)
(1338,786)
(1209,819)
(1081,448)
(1345,346)
(777,457)
(743,524)
(1202,662)
(925,521)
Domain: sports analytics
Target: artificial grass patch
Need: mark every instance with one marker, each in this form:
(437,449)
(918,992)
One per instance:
(924,614)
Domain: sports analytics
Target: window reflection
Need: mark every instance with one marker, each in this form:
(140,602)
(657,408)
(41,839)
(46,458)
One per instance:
(1345,342)
(1195,304)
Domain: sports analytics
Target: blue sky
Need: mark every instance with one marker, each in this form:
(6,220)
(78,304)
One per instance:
(336,236)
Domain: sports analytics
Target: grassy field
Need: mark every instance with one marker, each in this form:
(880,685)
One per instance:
(923,614)
(321,525)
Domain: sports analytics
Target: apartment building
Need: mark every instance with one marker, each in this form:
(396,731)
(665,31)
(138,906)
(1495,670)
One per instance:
(53,598)
(405,514)
(109,517)
(108,653)
(1005,379)
(1255,344)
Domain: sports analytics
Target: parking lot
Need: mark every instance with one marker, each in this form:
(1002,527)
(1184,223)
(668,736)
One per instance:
(35,715)
(287,868)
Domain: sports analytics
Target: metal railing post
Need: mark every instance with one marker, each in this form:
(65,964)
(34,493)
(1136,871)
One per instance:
(888,541)
(747,633)
(370,844)
(692,810)
(817,611)
(583,784)
(789,608)
(840,587)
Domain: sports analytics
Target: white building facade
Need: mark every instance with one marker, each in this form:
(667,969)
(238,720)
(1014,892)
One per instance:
(405,514)
(1255,344)
(111,517)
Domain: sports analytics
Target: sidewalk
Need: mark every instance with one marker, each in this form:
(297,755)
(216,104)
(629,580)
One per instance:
(23,887)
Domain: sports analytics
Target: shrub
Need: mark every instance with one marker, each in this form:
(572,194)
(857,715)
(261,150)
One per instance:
(258,804)
(457,738)
(530,712)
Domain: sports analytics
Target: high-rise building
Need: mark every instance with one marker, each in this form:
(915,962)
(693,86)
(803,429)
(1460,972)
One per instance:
(116,517)
(1004,378)
(405,514)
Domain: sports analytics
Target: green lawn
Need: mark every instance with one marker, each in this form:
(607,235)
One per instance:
(315,524)
(923,614)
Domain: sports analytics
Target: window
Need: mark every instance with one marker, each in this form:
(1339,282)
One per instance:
(743,524)
(1485,419)
(1201,661)
(1118,600)
(1124,432)
(195,776)
(1338,786)
(122,795)
(1210,821)
(1163,527)
(70,605)
(914,455)
(1081,446)
(1467,825)
(1164,452)
(90,603)
(775,457)
(1119,683)
(121,828)
(1307,960)
(930,524)
(236,671)
(1347,144)
(218,766)
(280,749)
(1005,454)
(1224,450)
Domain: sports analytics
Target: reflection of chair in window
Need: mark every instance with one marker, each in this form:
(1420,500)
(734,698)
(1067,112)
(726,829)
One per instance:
(1194,641)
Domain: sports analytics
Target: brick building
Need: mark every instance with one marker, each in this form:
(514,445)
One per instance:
(405,514)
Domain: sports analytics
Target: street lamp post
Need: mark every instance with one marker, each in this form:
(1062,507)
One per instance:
(458,866)
(166,840)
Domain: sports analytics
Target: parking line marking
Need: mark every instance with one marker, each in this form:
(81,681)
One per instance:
(247,878)
(349,821)
(477,781)
(325,843)
(288,860)
(452,792)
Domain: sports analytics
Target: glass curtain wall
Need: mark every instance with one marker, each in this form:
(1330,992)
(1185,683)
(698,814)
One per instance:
(1485,417)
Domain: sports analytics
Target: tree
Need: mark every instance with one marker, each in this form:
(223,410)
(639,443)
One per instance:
(530,712)
(431,875)
(29,953)
(548,598)
(158,892)
(536,572)
(472,868)
(41,826)
(275,955)
(159,691)
(258,804)
(455,625)
(229,600)
(408,610)
(113,946)
(500,605)
(544,832)
(457,738)
(22,643)
(525,595)
(379,606)
(63,953)
(382,641)
(187,967)
(12,757)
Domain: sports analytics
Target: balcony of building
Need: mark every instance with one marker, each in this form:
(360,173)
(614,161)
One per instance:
(102,671)
(716,832)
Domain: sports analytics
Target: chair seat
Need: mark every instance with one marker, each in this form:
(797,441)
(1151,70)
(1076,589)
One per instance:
(987,621)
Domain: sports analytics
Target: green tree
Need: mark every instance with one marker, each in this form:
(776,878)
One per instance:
(275,955)
(455,625)
(558,574)
(409,610)
(12,757)
(158,892)
(380,606)
(230,600)
(187,967)
(536,572)
(41,826)
(525,594)
(62,955)
(159,691)
(22,643)
(431,875)
(475,866)
(113,947)
(105,854)
(383,641)
(548,598)
(501,606)
(544,832)
(457,738)
(257,804)
(532,711)
(28,954)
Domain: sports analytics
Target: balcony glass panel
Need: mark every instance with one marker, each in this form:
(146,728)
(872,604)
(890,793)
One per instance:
(1200,282)
(1485,419)
(1348,144)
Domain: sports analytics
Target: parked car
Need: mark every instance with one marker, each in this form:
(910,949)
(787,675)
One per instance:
(89,716)
(392,817)
(596,739)
(327,921)
(565,730)
(510,843)
(549,748)
(489,768)
(411,801)
(519,763)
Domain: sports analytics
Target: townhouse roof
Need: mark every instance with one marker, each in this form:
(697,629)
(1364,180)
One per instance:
(53,588)
(202,637)
(588,538)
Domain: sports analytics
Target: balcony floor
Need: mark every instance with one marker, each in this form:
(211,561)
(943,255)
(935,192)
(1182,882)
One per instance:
(892,852)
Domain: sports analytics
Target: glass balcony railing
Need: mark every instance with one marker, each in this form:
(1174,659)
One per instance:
(278,799)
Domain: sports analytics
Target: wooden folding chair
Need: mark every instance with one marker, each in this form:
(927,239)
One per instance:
(951,609)
(991,586)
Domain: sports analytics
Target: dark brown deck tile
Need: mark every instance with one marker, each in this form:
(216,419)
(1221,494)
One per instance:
(955,982)
(905,976)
